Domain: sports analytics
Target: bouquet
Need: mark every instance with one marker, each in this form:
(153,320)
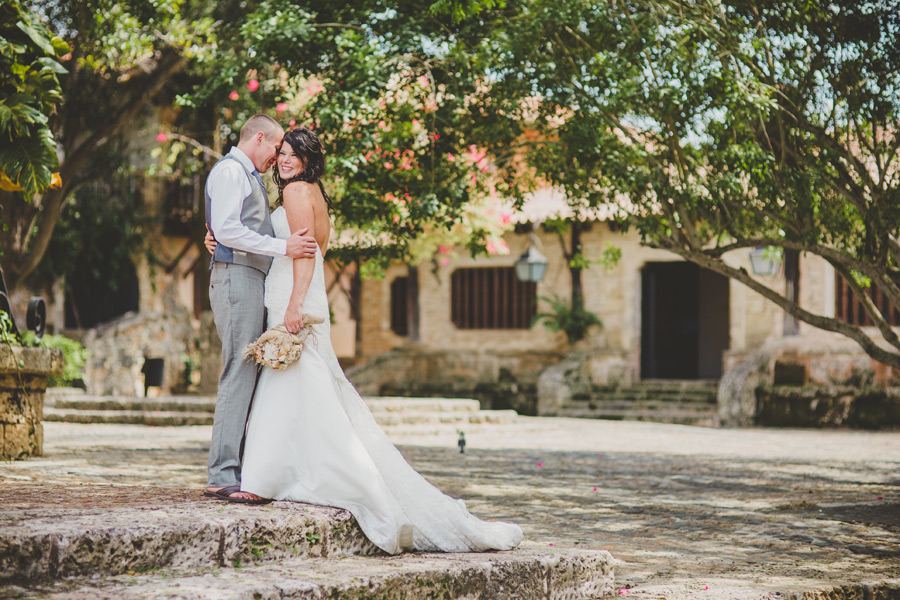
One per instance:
(278,348)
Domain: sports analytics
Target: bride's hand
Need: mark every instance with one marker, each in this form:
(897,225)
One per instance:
(209,241)
(293,317)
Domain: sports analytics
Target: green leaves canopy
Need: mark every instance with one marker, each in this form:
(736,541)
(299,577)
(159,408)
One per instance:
(716,125)
(29,89)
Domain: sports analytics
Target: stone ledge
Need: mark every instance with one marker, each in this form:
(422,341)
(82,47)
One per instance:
(45,545)
(31,361)
(524,574)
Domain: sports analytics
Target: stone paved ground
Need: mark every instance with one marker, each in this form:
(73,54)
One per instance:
(691,512)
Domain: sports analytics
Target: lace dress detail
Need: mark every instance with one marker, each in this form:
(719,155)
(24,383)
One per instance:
(311,438)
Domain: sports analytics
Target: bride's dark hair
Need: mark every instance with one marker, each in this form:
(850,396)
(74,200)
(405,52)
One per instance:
(308,149)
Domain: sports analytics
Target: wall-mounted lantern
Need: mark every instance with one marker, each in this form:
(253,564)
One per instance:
(532,265)
(764,261)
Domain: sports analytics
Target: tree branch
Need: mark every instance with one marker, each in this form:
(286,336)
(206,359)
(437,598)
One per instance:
(877,318)
(826,323)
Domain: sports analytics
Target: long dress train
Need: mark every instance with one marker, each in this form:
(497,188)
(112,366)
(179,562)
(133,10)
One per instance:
(311,438)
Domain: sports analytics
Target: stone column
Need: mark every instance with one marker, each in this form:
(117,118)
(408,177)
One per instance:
(23,382)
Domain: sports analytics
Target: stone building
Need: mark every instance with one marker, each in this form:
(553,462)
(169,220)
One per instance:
(664,319)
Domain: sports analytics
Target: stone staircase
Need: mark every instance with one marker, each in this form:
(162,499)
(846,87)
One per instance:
(178,545)
(691,402)
(74,406)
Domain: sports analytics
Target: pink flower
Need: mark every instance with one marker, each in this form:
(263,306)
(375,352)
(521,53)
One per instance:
(443,249)
(595,489)
(388,165)
(623,591)
(540,464)
(253,85)
(705,587)
(505,217)
(233,95)
(315,87)
(396,218)
(450,157)
(161,137)
(282,106)
(445,261)
(491,248)
(879,497)
(550,544)
(293,123)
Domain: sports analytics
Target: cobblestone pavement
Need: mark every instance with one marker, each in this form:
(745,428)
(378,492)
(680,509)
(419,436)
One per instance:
(689,511)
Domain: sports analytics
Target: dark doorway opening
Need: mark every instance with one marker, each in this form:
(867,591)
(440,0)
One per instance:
(92,300)
(684,321)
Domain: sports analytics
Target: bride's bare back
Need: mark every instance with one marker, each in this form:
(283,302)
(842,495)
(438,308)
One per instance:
(306,207)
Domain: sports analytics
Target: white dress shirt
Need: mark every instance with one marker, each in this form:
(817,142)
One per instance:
(228,184)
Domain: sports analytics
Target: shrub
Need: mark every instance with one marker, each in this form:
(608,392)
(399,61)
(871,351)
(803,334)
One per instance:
(561,317)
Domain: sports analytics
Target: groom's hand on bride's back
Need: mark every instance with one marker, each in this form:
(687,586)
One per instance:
(209,241)
(300,245)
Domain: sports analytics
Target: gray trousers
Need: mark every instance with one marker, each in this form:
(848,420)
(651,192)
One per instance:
(236,293)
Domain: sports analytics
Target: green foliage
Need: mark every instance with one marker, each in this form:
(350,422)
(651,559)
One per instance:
(610,257)
(575,322)
(74,355)
(313,537)
(376,82)
(713,127)
(29,90)
(6,330)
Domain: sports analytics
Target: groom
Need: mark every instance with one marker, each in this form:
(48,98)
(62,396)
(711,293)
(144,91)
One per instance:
(237,215)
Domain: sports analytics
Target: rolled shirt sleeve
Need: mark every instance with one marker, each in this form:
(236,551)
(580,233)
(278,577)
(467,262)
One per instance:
(228,185)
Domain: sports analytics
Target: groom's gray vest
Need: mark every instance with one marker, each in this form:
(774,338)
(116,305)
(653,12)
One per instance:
(255,215)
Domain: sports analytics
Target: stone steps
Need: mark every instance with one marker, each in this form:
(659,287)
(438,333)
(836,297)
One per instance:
(77,407)
(204,534)
(649,405)
(210,549)
(129,417)
(690,402)
(673,417)
(518,575)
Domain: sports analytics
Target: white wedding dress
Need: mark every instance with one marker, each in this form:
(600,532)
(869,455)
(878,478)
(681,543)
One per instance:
(311,438)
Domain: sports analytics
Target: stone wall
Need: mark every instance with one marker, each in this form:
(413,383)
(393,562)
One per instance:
(828,406)
(23,382)
(498,380)
(117,351)
(805,381)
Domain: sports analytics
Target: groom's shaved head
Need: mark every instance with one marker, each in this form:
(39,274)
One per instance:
(261,123)
(260,140)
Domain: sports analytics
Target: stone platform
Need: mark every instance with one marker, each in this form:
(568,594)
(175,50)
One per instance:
(74,406)
(689,513)
(160,543)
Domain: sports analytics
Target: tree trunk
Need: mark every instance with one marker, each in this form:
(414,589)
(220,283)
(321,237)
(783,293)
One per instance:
(577,288)
(412,303)
(35,225)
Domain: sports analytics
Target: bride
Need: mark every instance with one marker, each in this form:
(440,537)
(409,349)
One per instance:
(310,436)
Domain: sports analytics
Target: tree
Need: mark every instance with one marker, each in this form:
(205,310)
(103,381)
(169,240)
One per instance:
(368,57)
(29,89)
(715,126)
(115,68)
